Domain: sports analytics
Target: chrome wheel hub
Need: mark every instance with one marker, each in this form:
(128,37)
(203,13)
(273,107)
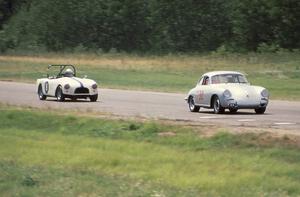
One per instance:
(59,95)
(191,103)
(217,105)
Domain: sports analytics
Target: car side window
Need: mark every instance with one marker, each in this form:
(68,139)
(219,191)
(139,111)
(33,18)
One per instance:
(205,80)
(200,81)
(215,79)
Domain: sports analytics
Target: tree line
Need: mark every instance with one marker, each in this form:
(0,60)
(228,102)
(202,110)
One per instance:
(155,26)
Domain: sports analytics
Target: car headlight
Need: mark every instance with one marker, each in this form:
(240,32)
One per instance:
(67,86)
(227,93)
(265,93)
(94,86)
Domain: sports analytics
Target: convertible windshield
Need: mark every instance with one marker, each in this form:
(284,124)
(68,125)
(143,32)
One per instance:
(228,78)
(61,71)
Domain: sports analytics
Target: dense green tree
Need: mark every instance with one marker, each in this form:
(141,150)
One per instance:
(251,23)
(190,25)
(286,16)
(272,22)
(158,26)
(10,7)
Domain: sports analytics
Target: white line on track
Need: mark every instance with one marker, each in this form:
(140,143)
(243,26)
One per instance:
(209,117)
(284,123)
(246,120)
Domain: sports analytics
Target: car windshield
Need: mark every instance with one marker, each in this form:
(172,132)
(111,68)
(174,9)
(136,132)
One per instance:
(228,78)
(58,71)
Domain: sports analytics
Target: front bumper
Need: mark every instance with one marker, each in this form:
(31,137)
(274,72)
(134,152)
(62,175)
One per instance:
(72,92)
(78,95)
(234,104)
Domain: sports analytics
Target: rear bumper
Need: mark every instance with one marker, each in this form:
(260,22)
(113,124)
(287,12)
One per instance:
(186,99)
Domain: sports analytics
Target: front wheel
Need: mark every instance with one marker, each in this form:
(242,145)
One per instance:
(260,110)
(94,98)
(59,94)
(192,106)
(218,109)
(41,94)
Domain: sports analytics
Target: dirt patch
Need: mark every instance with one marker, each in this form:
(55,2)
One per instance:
(285,140)
(167,134)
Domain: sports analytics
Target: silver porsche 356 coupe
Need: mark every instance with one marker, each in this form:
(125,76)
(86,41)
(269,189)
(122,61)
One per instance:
(222,90)
(64,84)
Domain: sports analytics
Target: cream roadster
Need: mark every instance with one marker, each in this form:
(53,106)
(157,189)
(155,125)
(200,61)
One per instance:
(64,84)
(222,90)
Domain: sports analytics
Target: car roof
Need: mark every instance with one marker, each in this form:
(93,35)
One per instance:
(210,74)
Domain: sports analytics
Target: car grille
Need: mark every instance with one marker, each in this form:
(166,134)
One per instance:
(81,91)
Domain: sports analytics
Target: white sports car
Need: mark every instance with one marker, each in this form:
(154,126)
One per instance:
(65,84)
(222,90)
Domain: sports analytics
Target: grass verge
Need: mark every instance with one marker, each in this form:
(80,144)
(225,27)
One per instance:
(47,154)
(280,73)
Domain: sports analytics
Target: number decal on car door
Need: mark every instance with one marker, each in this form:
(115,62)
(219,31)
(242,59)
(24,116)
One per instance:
(46,86)
(200,95)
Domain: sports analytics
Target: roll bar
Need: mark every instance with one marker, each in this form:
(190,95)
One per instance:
(62,67)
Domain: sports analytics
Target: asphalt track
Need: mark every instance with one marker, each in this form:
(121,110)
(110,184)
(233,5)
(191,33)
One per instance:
(156,105)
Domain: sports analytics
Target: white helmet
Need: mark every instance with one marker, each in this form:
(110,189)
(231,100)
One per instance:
(68,73)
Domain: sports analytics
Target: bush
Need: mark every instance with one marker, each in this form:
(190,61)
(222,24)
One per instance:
(268,48)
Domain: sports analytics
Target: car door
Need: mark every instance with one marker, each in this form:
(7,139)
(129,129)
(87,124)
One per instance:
(204,92)
(199,93)
(52,85)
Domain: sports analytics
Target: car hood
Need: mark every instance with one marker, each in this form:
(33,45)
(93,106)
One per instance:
(75,81)
(242,90)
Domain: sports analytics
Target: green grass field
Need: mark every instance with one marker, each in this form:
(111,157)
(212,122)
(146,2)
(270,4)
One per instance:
(280,73)
(47,154)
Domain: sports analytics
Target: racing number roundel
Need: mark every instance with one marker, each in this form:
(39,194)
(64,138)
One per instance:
(46,86)
(201,95)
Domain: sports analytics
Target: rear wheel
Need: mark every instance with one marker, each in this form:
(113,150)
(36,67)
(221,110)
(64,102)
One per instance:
(41,94)
(59,94)
(260,110)
(94,98)
(192,106)
(218,109)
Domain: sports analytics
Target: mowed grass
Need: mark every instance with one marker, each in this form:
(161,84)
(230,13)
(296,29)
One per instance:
(280,73)
(46,154)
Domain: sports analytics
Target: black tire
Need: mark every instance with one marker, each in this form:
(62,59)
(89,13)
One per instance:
(41,94)
(260,110)
(192,106)
(218,109)
(94,98)
(59,94)
(233,111)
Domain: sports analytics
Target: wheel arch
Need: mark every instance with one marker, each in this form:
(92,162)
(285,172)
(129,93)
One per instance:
(40,85)
(59,85)
(213,96)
